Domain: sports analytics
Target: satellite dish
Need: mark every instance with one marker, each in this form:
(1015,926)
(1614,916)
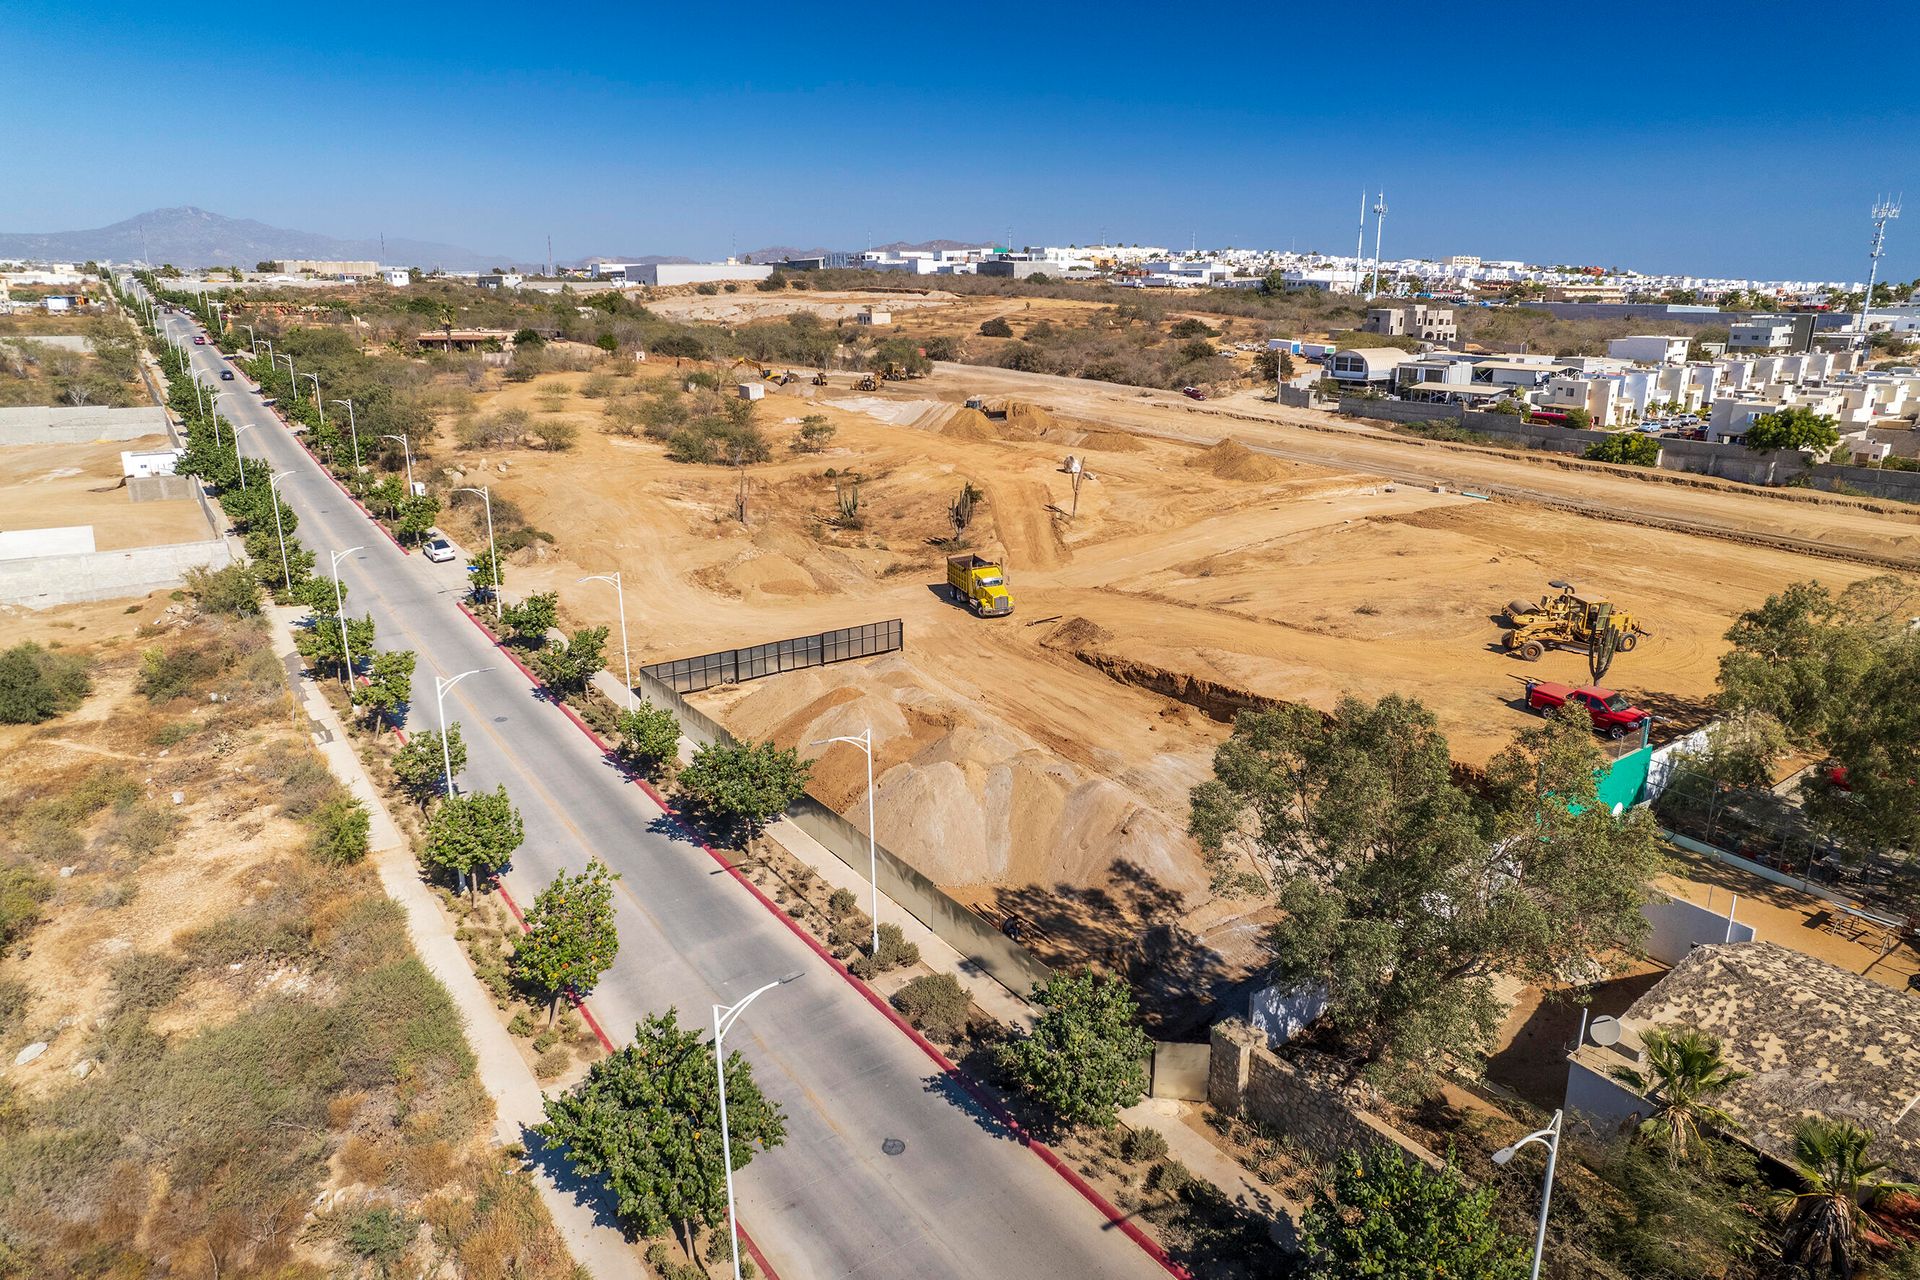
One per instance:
(1605,1030)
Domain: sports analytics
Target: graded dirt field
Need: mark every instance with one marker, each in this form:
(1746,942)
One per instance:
(1045,758)
(46,486)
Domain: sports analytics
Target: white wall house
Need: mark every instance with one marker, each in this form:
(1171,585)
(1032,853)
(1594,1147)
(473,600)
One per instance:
(1648,348)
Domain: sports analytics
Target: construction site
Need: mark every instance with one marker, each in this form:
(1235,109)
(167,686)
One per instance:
(1167,565)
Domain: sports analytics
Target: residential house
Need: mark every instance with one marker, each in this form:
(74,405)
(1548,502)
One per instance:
(1413,320)
(1793,332)
(1357,367)
(1648,348)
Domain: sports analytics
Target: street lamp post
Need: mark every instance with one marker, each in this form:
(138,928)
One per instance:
(239,463)
(406,446)
(354,430)
(493,556)
(626,657)
(318,402)
(216,416)
(865,743)
(724,1016)
(293,379)
(340,612)
(1548,1137)
(440,686)
(251,341)
(273,486)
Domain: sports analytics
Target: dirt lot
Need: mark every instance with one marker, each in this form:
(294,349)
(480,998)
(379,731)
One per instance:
(1045,759)
(45,486)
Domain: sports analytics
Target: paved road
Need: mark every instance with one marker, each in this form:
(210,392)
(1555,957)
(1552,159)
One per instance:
(962,1200)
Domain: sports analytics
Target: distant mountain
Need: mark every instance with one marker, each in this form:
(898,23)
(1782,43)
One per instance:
(190,237)
(644,260)
(932,246)
(781,252)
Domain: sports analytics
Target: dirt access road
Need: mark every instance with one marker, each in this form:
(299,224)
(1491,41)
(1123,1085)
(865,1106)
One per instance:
(1879,534)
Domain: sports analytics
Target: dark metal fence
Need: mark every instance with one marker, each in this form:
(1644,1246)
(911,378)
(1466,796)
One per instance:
(730,666)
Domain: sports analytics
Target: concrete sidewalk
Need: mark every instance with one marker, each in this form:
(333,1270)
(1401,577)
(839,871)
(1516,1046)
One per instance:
(1210,1163)
(602,1249)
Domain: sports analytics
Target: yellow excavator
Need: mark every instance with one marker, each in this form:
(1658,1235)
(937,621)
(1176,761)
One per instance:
(866,383)
(1566,620)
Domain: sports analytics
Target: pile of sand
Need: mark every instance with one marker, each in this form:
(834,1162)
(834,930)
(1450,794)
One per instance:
(1231,460)
(1111,441)
(970,424)
(1025,421)
(1077,633)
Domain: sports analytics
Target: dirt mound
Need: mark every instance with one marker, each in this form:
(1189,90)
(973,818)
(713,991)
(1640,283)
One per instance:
(1077,633)
(1231,460)
(970,424)
(1111,441)
(1025,421)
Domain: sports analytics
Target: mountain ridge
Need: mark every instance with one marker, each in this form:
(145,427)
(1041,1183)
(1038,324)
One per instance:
(187,236)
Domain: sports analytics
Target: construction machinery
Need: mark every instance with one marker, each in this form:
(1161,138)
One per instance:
(894,372)
(866,383)
(981,585)
(820,378)
(1568,620)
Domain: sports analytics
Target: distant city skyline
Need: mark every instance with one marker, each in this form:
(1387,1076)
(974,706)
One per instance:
(654,134)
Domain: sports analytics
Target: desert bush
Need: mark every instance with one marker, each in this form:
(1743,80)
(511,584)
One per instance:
(142,828)
(895,952)
(996,328)
(1144,1146)
(521,1024)
(37,684)
(169,673)
(933,1002)
(21,893)
(233,591)
(552,1063)
(558,436)
(841,903)
(503,429)
(340,831)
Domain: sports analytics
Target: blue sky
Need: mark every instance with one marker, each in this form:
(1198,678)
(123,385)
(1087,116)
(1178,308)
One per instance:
(1732,141)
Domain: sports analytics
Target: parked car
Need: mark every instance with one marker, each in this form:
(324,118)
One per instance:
(199,339)
(1612,714)
(226,375)
(1193,393)
(438,549)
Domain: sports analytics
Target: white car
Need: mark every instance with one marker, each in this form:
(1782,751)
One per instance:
(438,549)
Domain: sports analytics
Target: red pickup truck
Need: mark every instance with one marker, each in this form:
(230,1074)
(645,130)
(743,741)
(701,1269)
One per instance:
(1612,714)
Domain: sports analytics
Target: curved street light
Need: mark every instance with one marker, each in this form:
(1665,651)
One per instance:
(493,556)
(353,429)
(440,686)
(1549,1138)
(724,1016)
(406,446)
(865,743)
(340,612)
(626,659)
(273,486)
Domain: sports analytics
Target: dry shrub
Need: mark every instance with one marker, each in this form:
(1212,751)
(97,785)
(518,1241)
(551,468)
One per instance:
(368,1163)
(425,1167)
(495,1225)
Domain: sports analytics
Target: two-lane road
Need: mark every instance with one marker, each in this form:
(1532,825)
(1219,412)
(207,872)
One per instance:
(962,1199)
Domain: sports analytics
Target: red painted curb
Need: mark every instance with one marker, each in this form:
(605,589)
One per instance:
(327,471)
(977,1091)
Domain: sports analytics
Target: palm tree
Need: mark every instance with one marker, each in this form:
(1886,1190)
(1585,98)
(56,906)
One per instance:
(1685,1072)
(1824,1222)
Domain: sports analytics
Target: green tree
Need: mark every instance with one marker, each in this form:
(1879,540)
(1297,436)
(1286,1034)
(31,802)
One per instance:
(996,327)
(529,621)
(1359,829)
(1840,1184)
(1629,447)
(1878,746)
(470,833)
(814,434)
(1579,419)
(320,644)
(571,938)
(416,515)
(419,766)
(649,738)
(746,785)
(1685,1072)
(482,572)
(389,685)
(37,684)
(1793,427)
(647,1120)
(568,665)
(1086,1056)
(1387,1216)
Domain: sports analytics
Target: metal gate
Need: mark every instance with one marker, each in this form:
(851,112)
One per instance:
(731,666)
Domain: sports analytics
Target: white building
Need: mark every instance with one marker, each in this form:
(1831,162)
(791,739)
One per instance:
(398,277)
(667,274)
(1647,348)
(137,464)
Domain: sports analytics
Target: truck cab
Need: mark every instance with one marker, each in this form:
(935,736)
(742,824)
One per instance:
(980,585)
(1612,714)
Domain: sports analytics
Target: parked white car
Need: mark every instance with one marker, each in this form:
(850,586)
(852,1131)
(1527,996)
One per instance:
(438,549)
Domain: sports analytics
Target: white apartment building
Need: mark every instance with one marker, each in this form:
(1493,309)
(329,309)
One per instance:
(1601,396)
(1413,320)
(1647,348)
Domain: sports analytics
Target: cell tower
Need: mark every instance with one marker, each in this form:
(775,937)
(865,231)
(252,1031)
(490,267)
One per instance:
(1884,211)
(1379,217)
(1360,243)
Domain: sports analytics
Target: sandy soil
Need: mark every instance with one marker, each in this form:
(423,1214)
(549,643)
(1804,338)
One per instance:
(44,486)
(732,308)
(1046,758)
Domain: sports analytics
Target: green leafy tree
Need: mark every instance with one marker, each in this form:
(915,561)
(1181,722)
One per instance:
(571,938)
(647,1120)
(38,684)
(1086,1056)
(814,434)
(568,665)
(419,766)
(529,621)
(1685,1072)
(1840,1186)
(1358,828)
(1793,427)
(320,644)
(997,327)
(470,833)
(389,685)
(1630,448)
(481,571)
(1390,1217)
(416,516)
(744,786)
(649,738)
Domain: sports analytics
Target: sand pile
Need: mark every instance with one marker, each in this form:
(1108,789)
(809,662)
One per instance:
(970,424)
(1077,633)
(1111,441)
(1025,421)
(1231,460)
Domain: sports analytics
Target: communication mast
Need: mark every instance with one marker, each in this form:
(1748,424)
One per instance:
(1379,217)
(1884,211)
(1360,244)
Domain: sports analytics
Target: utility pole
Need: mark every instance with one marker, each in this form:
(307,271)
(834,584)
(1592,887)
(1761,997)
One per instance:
(1360,242)
(1379,219)
(1884,211)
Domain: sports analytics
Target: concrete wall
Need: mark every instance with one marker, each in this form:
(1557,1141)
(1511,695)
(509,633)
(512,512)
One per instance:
(161,488)
(1302,1096)
(57,424)
(1010,964)
(45,581)
(1678,927)
(1599,1102)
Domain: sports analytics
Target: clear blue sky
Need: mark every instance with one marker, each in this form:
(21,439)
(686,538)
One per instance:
(1736,140)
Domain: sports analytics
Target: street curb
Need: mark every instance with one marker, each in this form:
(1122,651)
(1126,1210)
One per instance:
(974,1089)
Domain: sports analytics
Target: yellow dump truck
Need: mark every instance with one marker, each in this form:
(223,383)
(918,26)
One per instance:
(980,585)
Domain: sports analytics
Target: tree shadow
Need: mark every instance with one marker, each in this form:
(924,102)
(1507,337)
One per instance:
(988,1120)
(1533,1061)
(592,1193)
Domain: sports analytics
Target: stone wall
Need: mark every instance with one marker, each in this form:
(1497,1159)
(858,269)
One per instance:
(59,424)
(161,488)
(1302,1096)
(45,581)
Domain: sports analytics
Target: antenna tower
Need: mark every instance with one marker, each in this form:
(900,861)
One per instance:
(1360,243)
(1884,211)
(1379,218)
